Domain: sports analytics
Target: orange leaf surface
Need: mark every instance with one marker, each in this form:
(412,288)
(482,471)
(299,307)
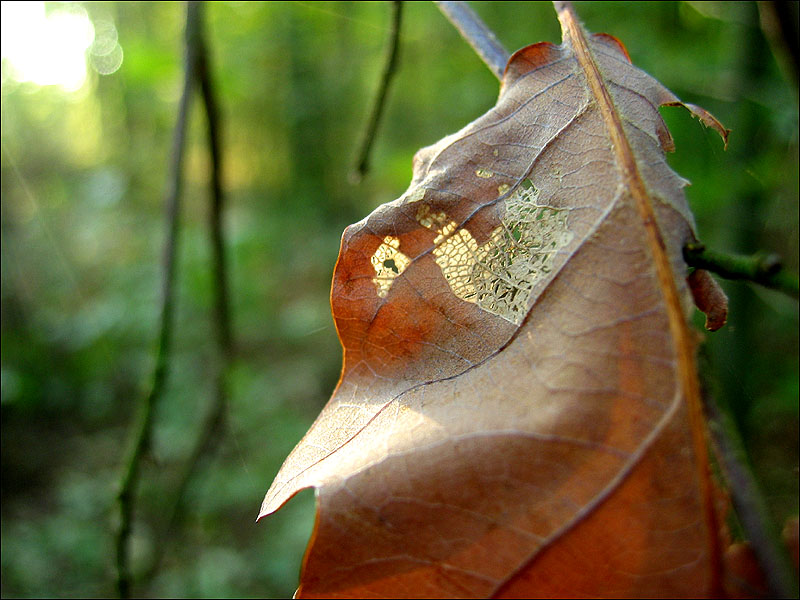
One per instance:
(518,410)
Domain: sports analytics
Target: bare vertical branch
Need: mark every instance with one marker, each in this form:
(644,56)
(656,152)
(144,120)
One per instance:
(749,504)
(222,318)
(144,421)
(478,35)
(779,24)
(221,321)
(210,432)
(389,69)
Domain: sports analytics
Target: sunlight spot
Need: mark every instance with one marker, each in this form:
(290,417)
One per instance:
(45,48)
(106,53)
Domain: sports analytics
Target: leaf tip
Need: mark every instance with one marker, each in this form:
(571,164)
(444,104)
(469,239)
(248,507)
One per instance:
(273,500)
(709,120)
(614,43)
(264,510)
(526,60)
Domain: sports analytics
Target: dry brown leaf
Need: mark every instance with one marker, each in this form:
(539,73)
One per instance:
(518,409)
(709,297)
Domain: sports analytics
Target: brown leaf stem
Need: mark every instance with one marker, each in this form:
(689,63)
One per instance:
(477,34)
(761,268)
(389,69)
(684,348)
(144,421)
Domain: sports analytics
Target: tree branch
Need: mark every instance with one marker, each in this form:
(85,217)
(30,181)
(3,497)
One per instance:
(478,35)
(144,421)
(209,434)
(362,165)
(749,504)
(214,421)
(779,24)
(764,269)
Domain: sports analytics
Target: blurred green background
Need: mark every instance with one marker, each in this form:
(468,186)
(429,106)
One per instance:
(84,165)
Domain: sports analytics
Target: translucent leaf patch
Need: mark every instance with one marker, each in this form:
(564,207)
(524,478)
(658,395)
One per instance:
(499,275)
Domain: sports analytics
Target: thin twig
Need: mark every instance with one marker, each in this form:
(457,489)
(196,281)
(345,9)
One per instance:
(222,314)
(209,434)
(749,504)
(764,269)
(141,437)
(362,166)
(478,35)
(779,24)
(213,424)
(222,319)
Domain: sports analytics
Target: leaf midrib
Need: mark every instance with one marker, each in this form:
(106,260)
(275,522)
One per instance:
(684,348)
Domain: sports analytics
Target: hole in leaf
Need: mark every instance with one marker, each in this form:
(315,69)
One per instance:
(390,264)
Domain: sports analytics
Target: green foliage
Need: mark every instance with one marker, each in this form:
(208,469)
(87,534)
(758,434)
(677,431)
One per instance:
(83,175)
